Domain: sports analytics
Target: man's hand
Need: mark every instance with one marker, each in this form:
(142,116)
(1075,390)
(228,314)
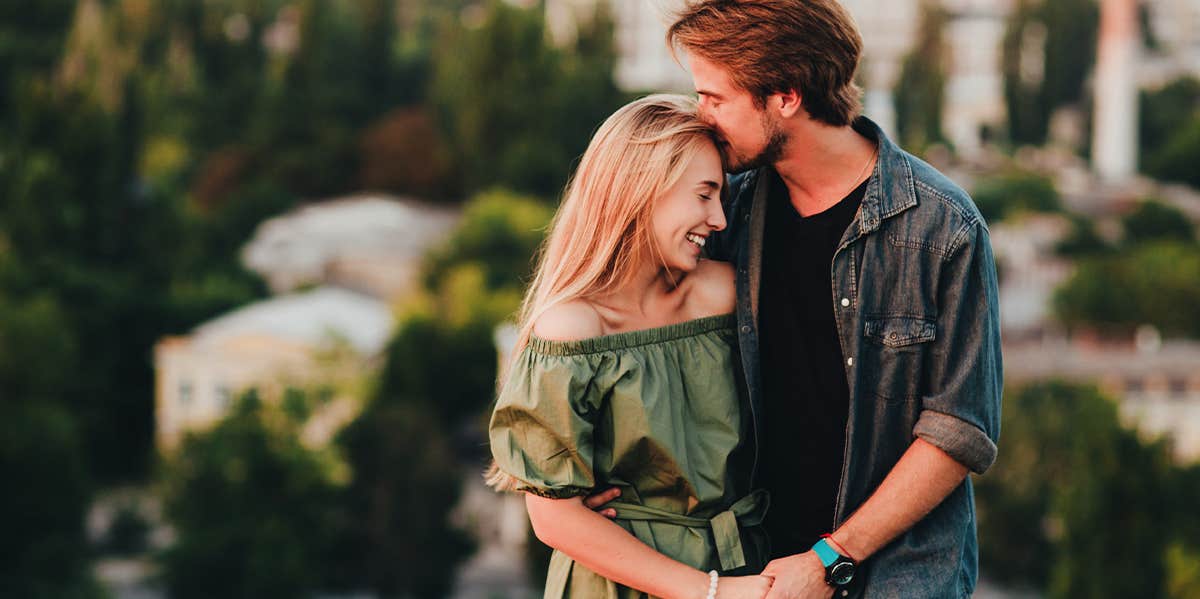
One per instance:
(596,501)
(798,576)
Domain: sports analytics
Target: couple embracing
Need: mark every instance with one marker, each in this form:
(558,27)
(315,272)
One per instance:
(772,384)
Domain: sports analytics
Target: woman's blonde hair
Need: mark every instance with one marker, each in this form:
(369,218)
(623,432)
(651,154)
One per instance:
(602,230)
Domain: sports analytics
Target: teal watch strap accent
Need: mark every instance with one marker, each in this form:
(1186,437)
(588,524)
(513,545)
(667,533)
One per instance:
(825,552)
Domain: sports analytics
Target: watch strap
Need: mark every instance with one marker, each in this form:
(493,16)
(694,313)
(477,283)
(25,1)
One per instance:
(826,553)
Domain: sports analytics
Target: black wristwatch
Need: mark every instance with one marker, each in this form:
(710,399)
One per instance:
(839,569)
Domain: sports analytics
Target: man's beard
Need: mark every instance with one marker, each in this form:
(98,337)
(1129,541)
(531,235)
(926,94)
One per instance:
(770,154)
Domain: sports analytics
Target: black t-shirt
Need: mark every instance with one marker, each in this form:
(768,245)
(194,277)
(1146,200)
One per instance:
(805,395)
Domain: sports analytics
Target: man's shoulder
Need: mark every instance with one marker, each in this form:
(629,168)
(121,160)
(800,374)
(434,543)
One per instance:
(936,193)
(943,217)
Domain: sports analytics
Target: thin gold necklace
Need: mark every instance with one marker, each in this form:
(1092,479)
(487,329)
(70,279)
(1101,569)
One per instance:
(859,179)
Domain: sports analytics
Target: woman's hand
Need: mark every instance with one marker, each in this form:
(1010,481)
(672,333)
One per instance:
(743,587)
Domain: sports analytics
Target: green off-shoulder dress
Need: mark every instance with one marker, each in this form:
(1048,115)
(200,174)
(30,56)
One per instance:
(655,412)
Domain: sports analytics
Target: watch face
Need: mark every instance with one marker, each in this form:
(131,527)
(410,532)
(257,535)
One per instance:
(841,573)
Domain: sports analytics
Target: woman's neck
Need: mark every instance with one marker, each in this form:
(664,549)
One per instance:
(647,296)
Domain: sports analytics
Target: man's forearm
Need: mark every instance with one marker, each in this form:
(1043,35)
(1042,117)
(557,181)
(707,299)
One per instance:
(921,480)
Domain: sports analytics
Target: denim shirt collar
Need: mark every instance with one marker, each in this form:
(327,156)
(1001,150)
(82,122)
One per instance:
(891,189)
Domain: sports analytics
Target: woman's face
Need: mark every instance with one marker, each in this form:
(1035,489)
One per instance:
(690,210)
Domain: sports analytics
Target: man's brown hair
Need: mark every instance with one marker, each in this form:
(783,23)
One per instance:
(769,46)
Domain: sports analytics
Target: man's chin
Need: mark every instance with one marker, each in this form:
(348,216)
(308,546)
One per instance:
(731,164)
(738,166)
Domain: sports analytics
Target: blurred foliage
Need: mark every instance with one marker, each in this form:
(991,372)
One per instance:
(44,554)
(543,101)
(1048,51)
(1176,160)
(1082,240)
(499,230)
(404,151)
(1152,220)
(254,510)
(1013,192)
(1169,129)
(437,381)
(920,90)
(1076,505)
(397,538)
(128,534)
(1156,266)
(1156,280)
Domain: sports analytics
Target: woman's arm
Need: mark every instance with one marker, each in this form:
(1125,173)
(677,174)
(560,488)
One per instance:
(610,551)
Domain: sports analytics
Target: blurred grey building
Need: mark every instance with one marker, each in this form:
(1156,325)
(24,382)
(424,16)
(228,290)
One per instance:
(370,243)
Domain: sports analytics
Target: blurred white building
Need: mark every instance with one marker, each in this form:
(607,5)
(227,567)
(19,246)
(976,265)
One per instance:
(370,243)
(322,336)
(1175,31)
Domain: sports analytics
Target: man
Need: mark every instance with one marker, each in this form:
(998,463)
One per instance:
(867,310)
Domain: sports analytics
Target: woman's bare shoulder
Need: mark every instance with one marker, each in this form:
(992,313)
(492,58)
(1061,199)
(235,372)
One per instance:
(712,288)
(569,321)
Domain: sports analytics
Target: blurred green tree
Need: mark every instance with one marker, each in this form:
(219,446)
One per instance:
(398,539)
(1048,51)
(437,380)
(1158,282)
(1176,159)
(1075,505)
(519,110)
(31,40)
(1153,220)
(252,507)
(1083,240)
(1015,191)
(44,553)
(1162,110)
(921,89)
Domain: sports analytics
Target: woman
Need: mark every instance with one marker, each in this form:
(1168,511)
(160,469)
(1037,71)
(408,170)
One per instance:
(624,376)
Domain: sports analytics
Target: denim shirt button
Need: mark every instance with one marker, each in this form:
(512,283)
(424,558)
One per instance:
(845,302)
(849,361)
(745,328)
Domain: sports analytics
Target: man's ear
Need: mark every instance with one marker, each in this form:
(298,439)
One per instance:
(790,103)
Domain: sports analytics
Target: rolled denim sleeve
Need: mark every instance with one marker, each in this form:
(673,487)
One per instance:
(961,413)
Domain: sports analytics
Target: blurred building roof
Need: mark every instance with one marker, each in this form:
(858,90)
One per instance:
(309,318)
(371,243)
(289,341)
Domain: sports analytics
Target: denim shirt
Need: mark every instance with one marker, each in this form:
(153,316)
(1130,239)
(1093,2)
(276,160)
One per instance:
(916,306)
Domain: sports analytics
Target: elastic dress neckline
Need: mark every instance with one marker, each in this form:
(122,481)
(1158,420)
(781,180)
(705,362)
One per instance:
(628,339)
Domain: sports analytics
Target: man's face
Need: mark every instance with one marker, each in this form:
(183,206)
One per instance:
(749,137)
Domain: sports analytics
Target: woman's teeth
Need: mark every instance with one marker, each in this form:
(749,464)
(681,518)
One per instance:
(696,239)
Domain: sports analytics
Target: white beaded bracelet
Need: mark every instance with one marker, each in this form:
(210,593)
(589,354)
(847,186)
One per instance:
(712,584)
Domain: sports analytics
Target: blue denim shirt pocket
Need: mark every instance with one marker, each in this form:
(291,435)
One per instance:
(894,352)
